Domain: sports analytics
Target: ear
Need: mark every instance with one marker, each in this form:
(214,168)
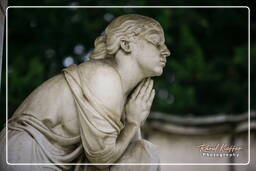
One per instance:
(125,45)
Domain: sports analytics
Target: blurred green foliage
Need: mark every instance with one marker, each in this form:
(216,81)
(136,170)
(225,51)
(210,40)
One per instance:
(207,72)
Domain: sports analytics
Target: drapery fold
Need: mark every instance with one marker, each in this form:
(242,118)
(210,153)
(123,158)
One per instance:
(98,126)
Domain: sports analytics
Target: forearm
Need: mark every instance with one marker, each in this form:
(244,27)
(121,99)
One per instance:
(120,145)
(137,135)
(124,139)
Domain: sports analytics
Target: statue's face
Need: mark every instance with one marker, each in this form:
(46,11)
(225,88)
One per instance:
(151,52)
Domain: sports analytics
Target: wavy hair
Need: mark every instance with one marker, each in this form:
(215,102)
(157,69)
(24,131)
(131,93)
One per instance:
(129,25)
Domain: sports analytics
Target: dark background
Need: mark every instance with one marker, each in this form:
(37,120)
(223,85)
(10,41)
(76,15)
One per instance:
(206,74)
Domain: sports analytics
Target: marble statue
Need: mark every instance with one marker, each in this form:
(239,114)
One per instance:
(92,112)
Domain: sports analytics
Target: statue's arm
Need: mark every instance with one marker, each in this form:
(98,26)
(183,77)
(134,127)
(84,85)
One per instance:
(107,87)
(137,110)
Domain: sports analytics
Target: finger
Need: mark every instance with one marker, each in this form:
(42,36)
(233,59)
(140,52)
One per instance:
(142,123)
(137,90)
(143,89)
(151,98)
(148,91)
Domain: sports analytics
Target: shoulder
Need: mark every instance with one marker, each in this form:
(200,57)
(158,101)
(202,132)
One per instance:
(105,83)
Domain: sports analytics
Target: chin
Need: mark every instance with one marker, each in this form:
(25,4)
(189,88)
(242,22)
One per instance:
(157,72)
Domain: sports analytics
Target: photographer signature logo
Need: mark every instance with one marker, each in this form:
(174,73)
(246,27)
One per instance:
(219,150)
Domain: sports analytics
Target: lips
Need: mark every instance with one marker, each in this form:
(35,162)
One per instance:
(163,63)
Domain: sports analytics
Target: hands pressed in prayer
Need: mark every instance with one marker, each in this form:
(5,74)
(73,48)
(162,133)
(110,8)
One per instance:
(138,106)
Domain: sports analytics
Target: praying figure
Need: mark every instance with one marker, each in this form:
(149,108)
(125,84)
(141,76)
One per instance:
(89,116)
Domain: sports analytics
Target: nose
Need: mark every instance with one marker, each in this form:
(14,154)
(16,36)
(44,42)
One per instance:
(165,51)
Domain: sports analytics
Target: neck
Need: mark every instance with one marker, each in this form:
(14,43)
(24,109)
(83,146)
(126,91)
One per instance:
(129,71)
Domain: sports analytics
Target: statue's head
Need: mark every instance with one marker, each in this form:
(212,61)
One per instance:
(134,28)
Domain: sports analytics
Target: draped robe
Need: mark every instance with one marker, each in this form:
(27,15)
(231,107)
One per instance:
(38,133)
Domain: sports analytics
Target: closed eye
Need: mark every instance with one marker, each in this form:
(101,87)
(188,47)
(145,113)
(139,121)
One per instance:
(154,39)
